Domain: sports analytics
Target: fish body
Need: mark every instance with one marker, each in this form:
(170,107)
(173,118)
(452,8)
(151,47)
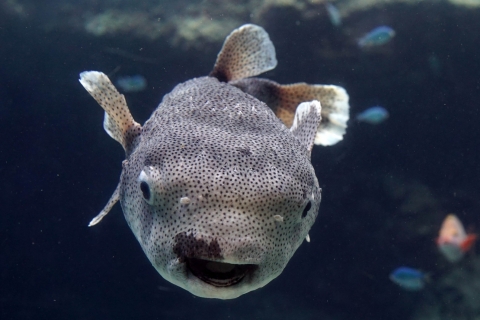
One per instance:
(217,186)
(333,14)
(453,242)
(408,278)
(373,115)
(376,37)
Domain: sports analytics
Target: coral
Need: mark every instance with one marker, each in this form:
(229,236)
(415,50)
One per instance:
(466,3)
(14,7)
(113,22)
(183,23)
(194,31)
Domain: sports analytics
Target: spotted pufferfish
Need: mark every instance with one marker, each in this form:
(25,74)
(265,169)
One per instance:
(217,185)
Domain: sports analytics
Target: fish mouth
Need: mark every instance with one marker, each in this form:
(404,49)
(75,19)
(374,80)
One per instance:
(219,274)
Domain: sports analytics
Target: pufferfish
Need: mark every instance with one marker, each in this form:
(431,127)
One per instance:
(217,186)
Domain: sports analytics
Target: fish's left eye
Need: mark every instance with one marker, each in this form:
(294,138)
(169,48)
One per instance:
(307,208)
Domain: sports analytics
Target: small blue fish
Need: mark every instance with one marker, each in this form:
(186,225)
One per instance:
(377,37)
(333,14)
(408,278)
(134,83)
(373,115)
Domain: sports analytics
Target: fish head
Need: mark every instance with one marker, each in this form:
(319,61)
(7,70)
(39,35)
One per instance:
(206,213)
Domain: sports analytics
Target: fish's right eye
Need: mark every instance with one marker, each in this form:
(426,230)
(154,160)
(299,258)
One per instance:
(145,187)
(145,190)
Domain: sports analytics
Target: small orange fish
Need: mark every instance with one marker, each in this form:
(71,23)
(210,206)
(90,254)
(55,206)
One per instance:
(453,241)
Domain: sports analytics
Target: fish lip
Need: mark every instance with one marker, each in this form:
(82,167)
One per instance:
(225,275)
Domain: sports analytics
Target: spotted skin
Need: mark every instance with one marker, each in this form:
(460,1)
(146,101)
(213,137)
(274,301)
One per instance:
(216,189)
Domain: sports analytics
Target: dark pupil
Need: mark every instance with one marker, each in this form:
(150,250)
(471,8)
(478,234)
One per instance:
(145,190)
(307,208)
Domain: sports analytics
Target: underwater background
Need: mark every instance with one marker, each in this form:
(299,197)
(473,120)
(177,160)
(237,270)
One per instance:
(386,187)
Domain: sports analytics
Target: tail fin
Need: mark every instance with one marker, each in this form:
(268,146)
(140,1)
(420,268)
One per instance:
(284,100)
(468,243)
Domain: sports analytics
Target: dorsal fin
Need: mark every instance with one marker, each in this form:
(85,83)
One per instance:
(118,121)
(284,99)
(305,123)
(246,52)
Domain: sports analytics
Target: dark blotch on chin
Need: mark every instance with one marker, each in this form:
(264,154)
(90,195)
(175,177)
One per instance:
(187,246)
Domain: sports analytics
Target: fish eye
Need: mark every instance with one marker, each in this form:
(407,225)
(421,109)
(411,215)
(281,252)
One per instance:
(145,190)
(307,208)
(145,187)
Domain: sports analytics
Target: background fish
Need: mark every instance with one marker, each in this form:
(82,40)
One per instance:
(373,115)
(133,83)
(408,278)
(376,37)
(453,241)
(333,14)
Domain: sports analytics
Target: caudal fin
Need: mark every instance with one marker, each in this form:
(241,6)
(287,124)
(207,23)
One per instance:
(468,243)
(246,52)
(284,100)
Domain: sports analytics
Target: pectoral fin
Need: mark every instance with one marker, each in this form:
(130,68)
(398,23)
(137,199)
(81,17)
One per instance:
(111,202)
(284,100)
(118,122)
(305,123)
